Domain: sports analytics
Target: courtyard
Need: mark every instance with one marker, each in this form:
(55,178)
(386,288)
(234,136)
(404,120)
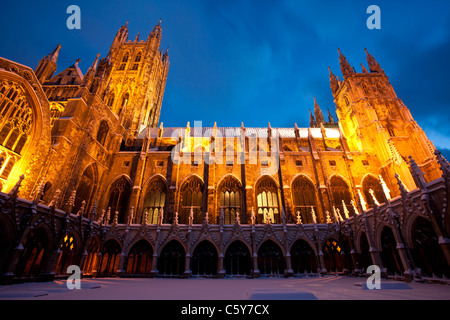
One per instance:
(327,287)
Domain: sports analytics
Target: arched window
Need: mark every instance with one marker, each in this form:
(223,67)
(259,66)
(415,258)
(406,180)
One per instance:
(267,200)
(110,258)
(13,106)
(304,197)
(204,260)
(191,198)
(270,259)
(340,191)
(380,89)
(303,258)
(332,256)
(171,260)
(118,199)
(124,61)
(124,103)
(346,101)
(69,254)
(154,200)
(230,199)
(364,257)
(237,259)
(102,132)
(34,256)
(137,59)
(389,253)
(365,89)
(90,263)
(371,183)
(110,100)
(125,98)
(426,252)
(56,111)
(85,190)
(140,258)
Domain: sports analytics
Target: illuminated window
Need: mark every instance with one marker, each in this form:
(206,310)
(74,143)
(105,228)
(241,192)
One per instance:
(267,200)
(136,61)
(340,191)
(110,100)
(191,198)
(154,200)
(118,199)
(230,199)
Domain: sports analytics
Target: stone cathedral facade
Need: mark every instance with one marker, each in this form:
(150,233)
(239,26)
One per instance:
(90,177)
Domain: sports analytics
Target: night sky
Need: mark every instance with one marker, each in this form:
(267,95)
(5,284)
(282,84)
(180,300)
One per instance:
(254,61)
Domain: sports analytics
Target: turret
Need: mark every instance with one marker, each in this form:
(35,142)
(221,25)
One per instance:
(318,114)
(47,66)
(346,68)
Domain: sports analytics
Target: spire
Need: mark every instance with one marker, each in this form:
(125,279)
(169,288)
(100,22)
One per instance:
(165,57)
(318,113)
(137,38)
(47,66)
(373,64)
(156,32)
(333,82)
(364,70)
(346,68)
(417,173)
(312,122)
(53,56)
(330,117)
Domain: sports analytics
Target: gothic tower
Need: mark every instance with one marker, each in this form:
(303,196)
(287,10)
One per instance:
(47,66)
(136,80)
(374,120)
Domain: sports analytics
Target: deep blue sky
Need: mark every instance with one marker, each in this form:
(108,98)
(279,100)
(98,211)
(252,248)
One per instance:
(254,61)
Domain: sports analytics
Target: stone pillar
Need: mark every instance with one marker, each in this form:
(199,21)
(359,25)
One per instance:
(187,264)
(289,271)
(254,256)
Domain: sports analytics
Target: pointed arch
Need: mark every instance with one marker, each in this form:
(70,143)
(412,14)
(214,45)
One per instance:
(267,199)
(110,257)
(171,261)
(304,197)
(139,259)
(237,260)
(70,252)
(271,261)
(154,198)
(90,263)
(303,257)
(340,191)
(119,194)
(86,189)
(369,182)
(389,253)
(102,132)
(426,251)
(111,97)
(229,197)
(204,259)
(37,249)
(191,197)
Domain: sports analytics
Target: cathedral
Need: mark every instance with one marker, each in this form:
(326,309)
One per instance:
(90,177)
